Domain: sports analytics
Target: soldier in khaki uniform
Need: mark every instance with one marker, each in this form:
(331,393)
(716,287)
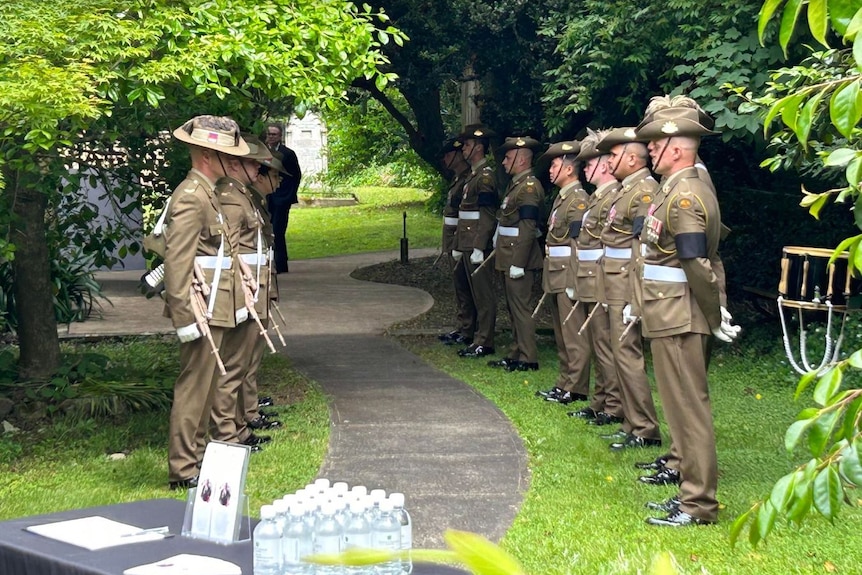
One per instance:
(239,344)
(628,163)
(197,233)
(606,405)
(558,278)
(476,224)
(465,319)
(518,254)
(680,305)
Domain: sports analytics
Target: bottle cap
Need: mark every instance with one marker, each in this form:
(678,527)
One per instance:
(359,490)
(281,506)
(321,483)
(385,506)
(397,499)
(377,495)
(340,487)
(267,512)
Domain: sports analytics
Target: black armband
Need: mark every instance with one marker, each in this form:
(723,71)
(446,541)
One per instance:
(488,199)
(690,246)
(455,201)
(528,212)
(638,226)
(574,230)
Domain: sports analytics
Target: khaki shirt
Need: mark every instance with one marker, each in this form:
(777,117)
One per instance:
(518,215)
(450,210)
(564,225)
(590,249)
(685,298)
(480,196)
(195,226)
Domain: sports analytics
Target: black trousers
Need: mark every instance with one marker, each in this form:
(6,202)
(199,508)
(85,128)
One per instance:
(279,216)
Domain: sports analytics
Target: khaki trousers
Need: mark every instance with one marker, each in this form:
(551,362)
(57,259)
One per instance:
(194,391)
(238,346)
(680,369)
(573,350)
(465,316)
(247,408)
(484,298)
(638,405)
(518,293)
(607,396)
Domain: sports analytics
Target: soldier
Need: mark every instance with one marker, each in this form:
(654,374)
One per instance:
(518,253)
(606,405)
(628,164)
(476,223)
(197,235)
(465,319)
(558,277)
(680,306)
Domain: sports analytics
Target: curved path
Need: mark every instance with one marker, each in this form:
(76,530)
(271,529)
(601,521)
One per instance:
(397,422)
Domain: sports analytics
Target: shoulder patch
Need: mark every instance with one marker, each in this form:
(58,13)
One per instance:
(582,206)
(646,199)
(486,179)
(684,203)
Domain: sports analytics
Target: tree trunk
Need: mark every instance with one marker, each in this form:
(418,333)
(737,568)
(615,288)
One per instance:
(34,302)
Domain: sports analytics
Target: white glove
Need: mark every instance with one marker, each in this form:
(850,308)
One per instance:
(515,272)
(188,333)
(456,255)
(725,315)
(726,332)
(627,314)
(477,257)
(496,235)
(605,306)
(241,315)
(570,293)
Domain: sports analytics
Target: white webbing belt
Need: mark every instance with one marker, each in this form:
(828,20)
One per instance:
(508,231)
(589,255)
(618,253)
(254,259)
(462,215)
(450,221)
(560,251)
(210,262)
(664,274)
(160,224)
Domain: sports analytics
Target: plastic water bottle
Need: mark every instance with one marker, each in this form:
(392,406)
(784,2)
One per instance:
(267,543)
(296,542)
(340,488)
(328,538)
(386,536)
(321,484)
(357,535)
(406,530)
(376,495)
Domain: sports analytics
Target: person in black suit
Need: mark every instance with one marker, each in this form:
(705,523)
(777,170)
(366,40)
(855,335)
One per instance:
(280,201)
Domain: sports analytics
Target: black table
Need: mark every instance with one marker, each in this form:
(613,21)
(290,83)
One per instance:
(25,553)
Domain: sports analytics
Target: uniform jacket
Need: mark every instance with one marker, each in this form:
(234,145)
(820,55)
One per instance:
(195,226)
(564,225)
(519,214)
(590,243)
(450,210)
(479,195)
(620,235)
(680,237)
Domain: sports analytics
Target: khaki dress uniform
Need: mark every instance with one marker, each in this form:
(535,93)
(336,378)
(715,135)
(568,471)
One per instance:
(239,344)
(574,351)
(619,238)
(607,397)
(465,318)
(517,245)
(196,230)
(680,307)
(476,223)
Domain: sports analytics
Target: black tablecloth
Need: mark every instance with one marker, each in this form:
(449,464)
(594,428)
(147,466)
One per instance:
(25,553)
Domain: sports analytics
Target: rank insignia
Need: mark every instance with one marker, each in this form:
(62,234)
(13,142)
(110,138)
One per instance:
(646,198)
(582,206)
(684,203)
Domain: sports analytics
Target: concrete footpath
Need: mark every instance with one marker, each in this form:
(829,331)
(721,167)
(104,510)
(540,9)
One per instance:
(397,422)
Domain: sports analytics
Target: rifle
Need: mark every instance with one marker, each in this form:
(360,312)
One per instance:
(198,292)
(628,328)
(589,317)
(247,279)
(485,261)
(571,311)
(539,305)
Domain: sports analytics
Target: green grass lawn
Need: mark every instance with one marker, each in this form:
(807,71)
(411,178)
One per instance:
(375,224)
(584,510)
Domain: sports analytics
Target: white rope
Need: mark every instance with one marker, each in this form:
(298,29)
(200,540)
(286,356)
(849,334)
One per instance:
(832,348)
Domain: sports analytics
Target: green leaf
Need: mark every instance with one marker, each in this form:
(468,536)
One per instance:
(754,531)
(766,519)
(788,23)
(852,25)
(827,385)
(663,565)
(737,527)
(782,491)
(850,427)
(842,108)
(790,111)
(850,466)
(818,205)
(794,433)
(805,381)
(818,20)
(853,173)
(806,117)
(821,432)
(828,493)
(779,108)
(802,499)
(857,51)
(766,12)
(840,156)
(842,13)
(481,556)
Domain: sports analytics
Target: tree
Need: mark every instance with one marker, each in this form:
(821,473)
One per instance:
(99,84)
(818,103)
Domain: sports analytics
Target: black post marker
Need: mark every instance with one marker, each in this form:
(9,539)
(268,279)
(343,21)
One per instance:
(404,243)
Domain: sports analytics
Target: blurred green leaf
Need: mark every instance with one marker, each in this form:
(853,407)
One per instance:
(481,556)
(828,493)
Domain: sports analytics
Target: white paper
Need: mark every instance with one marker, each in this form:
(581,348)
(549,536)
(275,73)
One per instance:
(94,532)
(186,564)
(221,483)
